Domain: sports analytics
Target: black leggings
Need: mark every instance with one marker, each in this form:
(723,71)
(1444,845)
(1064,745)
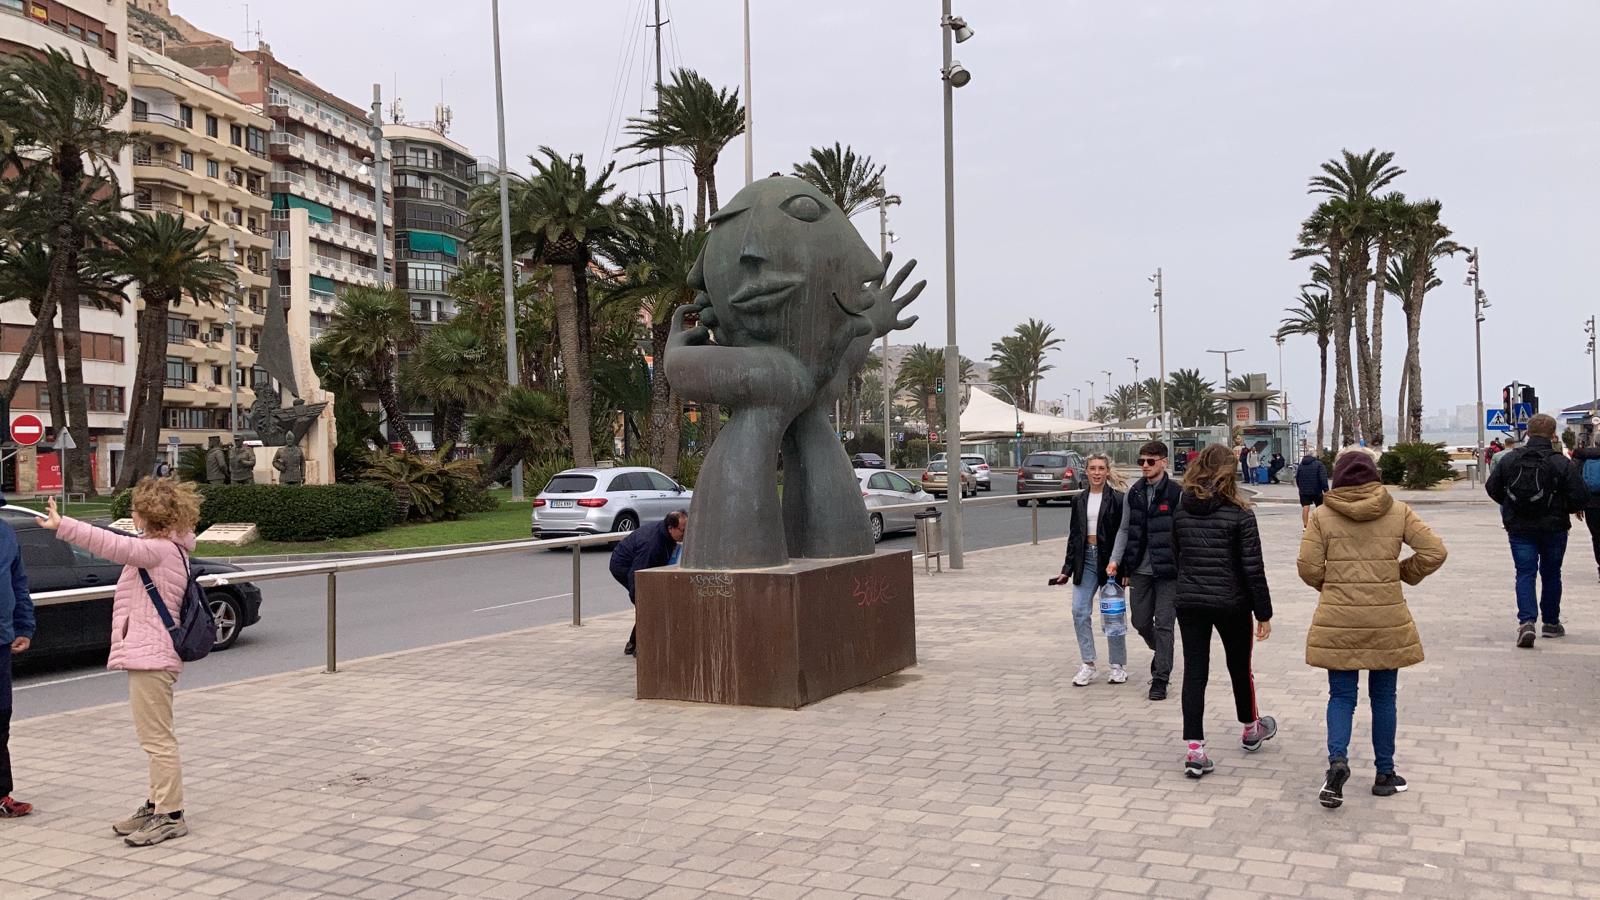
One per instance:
(1591,517)
(1235,629)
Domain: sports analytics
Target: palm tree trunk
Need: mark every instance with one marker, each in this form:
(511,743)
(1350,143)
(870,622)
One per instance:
(666,408)
(44,316)
(1341,346)
(1419,287)
(711,189)
(1403,432)
(1378,298)
(77,476)
(150,379)
(575,368)
(1363,357)
(455,425)
(52,384)
(1322,391)
(699,202)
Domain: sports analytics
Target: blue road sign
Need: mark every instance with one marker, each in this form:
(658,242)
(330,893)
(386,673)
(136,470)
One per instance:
(1495,420)
(1521,413)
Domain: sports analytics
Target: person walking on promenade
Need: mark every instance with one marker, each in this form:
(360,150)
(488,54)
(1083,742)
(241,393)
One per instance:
(1222,587)
(1538,490)
(1311,479)
(647,548)
(1587,461)
(1252,465)
(165,511)
(1350,554)
(1243,452)
(1093,536)
(1275,466)
(1147,563)
(16,635)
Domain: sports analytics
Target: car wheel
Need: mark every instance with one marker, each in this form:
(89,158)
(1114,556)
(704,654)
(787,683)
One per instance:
(229,616)
(625,522)
(1022,503)
(877,528)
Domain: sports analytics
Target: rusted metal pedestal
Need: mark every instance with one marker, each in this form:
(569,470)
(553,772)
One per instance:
(784,637)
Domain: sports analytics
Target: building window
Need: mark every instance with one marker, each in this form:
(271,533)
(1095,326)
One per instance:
(211,126)
(186,116)
(236,135)
(180,374)
(426,277)
(256,141)
(180,329)
(186,159)
(213,169)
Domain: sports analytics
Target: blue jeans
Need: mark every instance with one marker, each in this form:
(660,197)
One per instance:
(1342,689)
(1084,610)
(1538,556)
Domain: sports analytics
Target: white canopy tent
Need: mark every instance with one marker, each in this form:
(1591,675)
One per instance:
(987,414)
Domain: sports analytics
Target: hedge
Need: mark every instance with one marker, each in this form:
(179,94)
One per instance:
(290,512)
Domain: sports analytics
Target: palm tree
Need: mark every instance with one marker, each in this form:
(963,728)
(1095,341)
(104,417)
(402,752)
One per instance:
(457,369)
(695,120)
(369,327)
(1313,317)
(1424,239)
(850,181)
(655,253)
(170,262)
(522,423)
(919,371)
(59,115)
(480,306)
(558,215)
(1190,400)
(1123,403)
(1011,368)
(25,275)
(1037,339)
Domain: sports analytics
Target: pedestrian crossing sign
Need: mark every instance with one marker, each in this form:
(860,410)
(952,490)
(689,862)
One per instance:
(1495,420)
(1521,413)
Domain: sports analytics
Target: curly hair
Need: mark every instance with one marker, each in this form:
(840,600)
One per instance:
(1211,475)
(167,506)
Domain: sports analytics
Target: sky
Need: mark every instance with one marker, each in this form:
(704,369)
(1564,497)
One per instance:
(1096,142)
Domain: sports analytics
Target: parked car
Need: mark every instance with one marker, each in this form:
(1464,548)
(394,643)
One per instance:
(1051,470)
(868,461)
(592,501)
(880,488)
(936,479)
(980,467)
(81,626)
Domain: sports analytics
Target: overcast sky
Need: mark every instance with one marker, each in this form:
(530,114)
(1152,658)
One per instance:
(1096,141)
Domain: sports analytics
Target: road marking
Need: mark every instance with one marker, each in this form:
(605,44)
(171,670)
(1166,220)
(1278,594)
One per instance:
(524,602)
(40,684)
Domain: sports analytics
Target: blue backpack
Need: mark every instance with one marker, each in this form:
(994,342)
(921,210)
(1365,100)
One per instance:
(1591,475)
(195,632)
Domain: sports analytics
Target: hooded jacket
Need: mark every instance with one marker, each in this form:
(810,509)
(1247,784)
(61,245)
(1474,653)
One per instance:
(1579,457)
(1312,476)
(1219,558)
(1351,554)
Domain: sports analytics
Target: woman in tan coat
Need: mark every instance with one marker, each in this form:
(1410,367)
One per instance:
(1351,553)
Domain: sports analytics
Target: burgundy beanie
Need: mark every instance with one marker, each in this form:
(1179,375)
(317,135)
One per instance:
(1354,467)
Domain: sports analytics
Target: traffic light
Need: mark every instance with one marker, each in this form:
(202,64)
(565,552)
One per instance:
(1019,431)
(938,385)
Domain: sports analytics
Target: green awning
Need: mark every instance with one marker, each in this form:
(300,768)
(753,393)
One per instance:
(432,242)
(325,285)
(317,211)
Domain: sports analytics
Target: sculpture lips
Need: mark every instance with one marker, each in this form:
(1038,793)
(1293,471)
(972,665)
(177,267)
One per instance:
(766,291)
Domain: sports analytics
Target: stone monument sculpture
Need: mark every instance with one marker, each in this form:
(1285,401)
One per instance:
(216,461)
(290,461)
(790,301)
(241,463)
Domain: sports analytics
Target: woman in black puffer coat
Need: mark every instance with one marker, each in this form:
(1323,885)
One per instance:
(1222,585)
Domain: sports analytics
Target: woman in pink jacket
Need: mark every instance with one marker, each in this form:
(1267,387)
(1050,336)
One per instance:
(165,512)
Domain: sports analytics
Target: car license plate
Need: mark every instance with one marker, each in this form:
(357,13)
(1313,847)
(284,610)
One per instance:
(1044,478)
(561,504)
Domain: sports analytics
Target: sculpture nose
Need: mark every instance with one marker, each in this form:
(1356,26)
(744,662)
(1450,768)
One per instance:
(752,247)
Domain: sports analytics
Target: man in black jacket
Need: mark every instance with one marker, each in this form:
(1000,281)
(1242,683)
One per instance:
(1586,453)
(1311,479)
(647,548)
(1148,565)
(1538,490)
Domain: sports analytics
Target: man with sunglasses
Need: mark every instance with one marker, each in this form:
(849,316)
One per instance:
(1148,565)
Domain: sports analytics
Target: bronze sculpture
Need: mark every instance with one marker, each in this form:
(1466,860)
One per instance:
(241,463)
(216,461)
(290,461)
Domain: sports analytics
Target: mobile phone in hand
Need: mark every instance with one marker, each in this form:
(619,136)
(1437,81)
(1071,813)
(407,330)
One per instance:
(1059,579)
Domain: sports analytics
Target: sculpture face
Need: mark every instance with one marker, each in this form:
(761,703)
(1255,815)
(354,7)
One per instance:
(783,267)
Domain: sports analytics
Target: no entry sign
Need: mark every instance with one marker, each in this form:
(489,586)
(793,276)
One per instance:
(27,430)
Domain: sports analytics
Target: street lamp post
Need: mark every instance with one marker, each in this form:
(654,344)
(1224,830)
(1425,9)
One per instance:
(885,237)
(749,114)
(506,272)
(233,348)
(1226,372)
(1594,372)
(1480,302)
(1160,310)
(1092,404)
(1283,389)
(1079,392)
(1135,361)
(954,75)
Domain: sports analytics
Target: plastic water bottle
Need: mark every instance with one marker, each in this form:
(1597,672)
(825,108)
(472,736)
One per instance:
(1113,610)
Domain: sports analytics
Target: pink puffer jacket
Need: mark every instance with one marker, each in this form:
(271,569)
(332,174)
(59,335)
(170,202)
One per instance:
(139,640)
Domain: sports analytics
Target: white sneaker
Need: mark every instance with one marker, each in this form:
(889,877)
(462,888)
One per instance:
(1119,675)
(1086,674)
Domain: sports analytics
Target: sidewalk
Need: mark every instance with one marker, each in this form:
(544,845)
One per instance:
(1459,491)
(519,766)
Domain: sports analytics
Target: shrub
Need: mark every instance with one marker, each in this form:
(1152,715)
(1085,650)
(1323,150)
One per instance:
(1391,467)
(689,468)
(537,473)
(192,465)
(1421,465)
(424,487)
(289,512)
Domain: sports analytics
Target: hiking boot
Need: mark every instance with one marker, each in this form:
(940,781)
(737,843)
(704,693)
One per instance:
(1258,732)
(1086,675)
(13,809)
(1388,785)
(1196,763)
(160,827)
(1553,629)
(1158,690)
(1332,793)
(1119,675)
(136,821)
(1525,635)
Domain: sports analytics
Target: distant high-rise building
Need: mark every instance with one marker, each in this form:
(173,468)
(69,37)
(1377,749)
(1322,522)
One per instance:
(432,177)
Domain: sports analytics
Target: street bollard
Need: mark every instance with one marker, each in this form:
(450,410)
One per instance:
(577,585)
(1035,508)
(333,622)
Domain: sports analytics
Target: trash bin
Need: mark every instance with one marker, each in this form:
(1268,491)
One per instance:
(930,536)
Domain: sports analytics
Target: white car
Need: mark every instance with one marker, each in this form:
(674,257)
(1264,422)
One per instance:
(880,488)
(980,467)
(592,501)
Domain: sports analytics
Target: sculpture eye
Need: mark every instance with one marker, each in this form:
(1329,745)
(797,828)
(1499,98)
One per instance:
(803,207)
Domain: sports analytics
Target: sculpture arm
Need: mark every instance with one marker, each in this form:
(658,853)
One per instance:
(731,376)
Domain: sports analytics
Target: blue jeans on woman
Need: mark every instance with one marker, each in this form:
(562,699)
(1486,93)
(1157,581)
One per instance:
(1342,689)
(1084,610)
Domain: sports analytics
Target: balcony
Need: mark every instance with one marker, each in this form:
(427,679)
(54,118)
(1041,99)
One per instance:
(341,270)
(459,171)
(344,236)
(281,105)
(159,118)
(146,204)
(412,223)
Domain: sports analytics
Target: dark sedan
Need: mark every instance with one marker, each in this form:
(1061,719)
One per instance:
(81,626)
(868,461)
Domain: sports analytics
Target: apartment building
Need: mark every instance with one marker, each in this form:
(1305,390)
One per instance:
(92,30)
(199,152)
(432,176)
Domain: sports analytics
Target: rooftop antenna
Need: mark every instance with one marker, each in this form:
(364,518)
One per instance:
(395,113)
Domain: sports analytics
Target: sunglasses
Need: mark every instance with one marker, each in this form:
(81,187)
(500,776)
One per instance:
(1149,460)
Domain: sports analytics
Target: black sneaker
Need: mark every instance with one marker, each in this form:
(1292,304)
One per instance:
(1554,629)
(1158,690)
(1388,785)
(1332,793)
(1525,635)
(629,650)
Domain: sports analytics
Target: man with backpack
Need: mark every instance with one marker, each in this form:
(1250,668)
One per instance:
(1538,490)
(1587,459)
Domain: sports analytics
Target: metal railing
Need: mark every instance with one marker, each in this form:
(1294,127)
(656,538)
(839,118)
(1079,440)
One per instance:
(989,501)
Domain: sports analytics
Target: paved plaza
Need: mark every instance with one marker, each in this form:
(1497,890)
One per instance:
(520,766)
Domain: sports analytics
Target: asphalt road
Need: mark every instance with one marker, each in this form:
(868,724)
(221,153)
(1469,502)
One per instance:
(400,608)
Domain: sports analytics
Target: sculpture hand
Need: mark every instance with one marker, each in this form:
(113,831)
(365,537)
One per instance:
(885,311)
(699,335)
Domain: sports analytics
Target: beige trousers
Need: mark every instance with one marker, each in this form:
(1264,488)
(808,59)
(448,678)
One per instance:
(151,696)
